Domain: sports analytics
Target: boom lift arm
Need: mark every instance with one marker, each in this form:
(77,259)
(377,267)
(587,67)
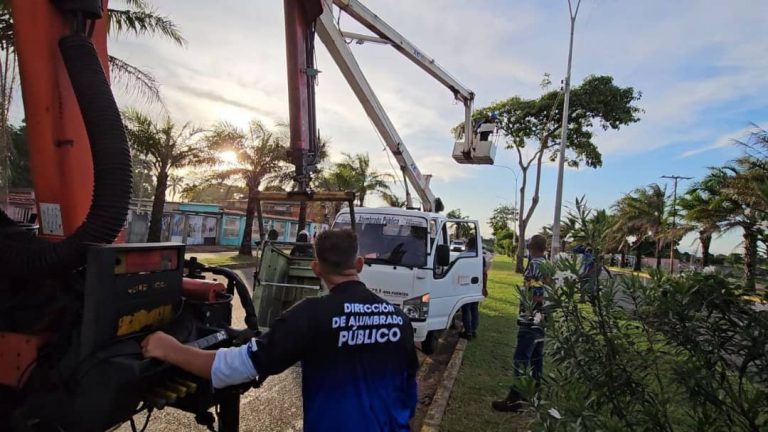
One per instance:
(334,40)
(389,35)
(342,55)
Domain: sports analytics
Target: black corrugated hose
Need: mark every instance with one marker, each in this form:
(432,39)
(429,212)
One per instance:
(22,255)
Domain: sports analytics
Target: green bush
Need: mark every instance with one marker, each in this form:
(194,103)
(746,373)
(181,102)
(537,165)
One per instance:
(680,353)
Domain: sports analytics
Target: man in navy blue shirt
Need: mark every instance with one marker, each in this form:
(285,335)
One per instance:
(357,352)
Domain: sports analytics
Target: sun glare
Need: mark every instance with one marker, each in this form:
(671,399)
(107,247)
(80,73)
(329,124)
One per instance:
(228,157)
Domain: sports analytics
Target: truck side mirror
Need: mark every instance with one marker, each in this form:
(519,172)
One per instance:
(443,255)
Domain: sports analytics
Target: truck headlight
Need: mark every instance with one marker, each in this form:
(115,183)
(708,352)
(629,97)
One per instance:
(417,308)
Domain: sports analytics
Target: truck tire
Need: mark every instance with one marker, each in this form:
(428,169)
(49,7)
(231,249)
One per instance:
(456,323)
(429,344)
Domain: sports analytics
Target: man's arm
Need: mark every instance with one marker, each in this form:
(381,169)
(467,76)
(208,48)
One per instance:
(164,347)
(224,367)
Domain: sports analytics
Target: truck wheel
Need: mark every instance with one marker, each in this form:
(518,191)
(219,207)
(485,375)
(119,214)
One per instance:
(456,323)
(429,344)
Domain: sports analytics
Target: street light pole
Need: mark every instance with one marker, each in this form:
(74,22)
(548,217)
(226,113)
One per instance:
(564,138)
(675,178)
(515,174)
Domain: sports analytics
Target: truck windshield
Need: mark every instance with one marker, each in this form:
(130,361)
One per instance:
(389,239)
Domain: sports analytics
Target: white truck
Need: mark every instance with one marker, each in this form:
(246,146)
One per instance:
(407,251)
(408,263)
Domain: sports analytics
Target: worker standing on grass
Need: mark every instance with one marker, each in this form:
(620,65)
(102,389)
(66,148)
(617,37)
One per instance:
(358,357)
(529,353)
(470,313)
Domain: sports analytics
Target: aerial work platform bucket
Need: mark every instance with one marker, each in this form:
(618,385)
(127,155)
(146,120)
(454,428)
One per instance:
(482,150)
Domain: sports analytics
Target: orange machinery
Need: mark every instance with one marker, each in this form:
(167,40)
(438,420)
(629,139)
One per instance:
(75,306)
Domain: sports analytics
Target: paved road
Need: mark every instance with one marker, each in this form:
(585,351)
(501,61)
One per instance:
(276,406)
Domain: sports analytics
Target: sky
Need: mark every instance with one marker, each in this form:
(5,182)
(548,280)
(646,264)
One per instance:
(700,65)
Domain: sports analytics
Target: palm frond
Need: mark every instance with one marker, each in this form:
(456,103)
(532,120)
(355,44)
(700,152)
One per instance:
(137,4)
(141,21)
(134,80)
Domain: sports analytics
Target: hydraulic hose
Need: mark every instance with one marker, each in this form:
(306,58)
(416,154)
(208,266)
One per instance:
(22,255)
(242,293)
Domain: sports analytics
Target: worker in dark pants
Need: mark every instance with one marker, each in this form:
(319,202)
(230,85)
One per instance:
(470,313)
(357,351)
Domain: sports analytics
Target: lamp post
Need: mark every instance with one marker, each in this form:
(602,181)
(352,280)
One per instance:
(514,172)
(564,139)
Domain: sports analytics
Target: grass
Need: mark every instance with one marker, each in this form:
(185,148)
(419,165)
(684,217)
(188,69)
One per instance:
(619,270)
(219,260)
(486,372)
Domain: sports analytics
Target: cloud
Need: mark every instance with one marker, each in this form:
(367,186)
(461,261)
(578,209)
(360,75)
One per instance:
(698,66)
(209,96)
(726,140)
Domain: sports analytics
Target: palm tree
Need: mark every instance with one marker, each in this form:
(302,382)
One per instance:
(335,179)
(364,179)
(755,163)
(701,210)
(586,225)
(734,204)
(167,147)
(176,183)
(261,154)
(137,18)
(392,199)
(643,214)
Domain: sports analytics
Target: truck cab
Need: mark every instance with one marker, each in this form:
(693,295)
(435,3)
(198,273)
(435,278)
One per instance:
(408,262)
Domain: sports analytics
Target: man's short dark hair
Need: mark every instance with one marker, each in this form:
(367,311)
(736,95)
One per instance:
(336,250)
(537,243)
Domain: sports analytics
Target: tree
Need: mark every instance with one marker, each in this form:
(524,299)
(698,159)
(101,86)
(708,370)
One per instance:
(216,193)
(287,175)
(392,199)
(536,123)
(143,178)
(501,217)
(455,214)
(364,179)
(755,162)
(588,226)
(461,230)
(261,156)
(8,82)
(334,179)
(734,205)
(700,207)
(506,242)
(568,224)
(20,175)
(138,18)
(167,146)
(644,213)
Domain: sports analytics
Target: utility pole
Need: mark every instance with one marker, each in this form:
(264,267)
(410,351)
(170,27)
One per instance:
(674,178)
(564,139)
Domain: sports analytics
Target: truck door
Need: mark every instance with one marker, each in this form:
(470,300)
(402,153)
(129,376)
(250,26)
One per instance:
(460,282)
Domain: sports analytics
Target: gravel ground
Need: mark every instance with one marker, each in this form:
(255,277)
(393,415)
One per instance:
(275,406)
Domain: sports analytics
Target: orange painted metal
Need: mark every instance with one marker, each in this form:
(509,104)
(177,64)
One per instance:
(18,353)
(201,289)
(60,157)
(139,261)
